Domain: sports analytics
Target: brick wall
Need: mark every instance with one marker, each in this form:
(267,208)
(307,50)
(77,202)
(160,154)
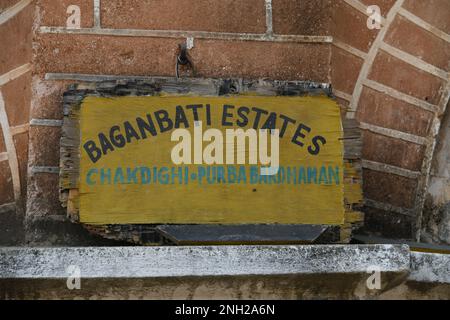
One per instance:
(394,80)
(396,83)
(16,20)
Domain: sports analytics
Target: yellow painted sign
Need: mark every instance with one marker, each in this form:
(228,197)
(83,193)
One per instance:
(204,160)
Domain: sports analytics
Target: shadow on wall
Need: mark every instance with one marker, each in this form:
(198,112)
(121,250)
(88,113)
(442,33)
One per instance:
(436,220)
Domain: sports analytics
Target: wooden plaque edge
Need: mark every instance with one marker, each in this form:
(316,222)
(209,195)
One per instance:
(147,234)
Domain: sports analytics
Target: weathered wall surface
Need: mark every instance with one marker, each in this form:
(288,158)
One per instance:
(221,52)
(16,20)
(436,226)
(225,272)
(394,80)
(396,83)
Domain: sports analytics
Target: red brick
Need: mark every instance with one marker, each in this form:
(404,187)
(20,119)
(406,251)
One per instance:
(385,5)
(435,12)
(350,26)
(15,35)
(154,56)
(345,69)
(388,188)
(193,15)
(392,151)
(54,13)
(284,61)
(302,17)
(106,55)
(5,4)
(414,40)
(384,111)
(17,96)
(6,186)
(406,78)
(44,146)
(48,98)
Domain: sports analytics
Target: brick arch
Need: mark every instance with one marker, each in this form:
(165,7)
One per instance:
(15,97)
(399,91)
(15,94)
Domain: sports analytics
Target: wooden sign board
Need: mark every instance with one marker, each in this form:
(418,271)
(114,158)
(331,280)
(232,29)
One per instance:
(193,157)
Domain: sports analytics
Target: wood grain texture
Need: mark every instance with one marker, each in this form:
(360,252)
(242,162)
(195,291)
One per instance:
(135,232)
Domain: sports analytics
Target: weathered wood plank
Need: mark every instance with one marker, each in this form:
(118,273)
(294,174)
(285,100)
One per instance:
(70,142)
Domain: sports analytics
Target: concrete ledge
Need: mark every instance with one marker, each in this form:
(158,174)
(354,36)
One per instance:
(225,272)
(156,262)
(430,267)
